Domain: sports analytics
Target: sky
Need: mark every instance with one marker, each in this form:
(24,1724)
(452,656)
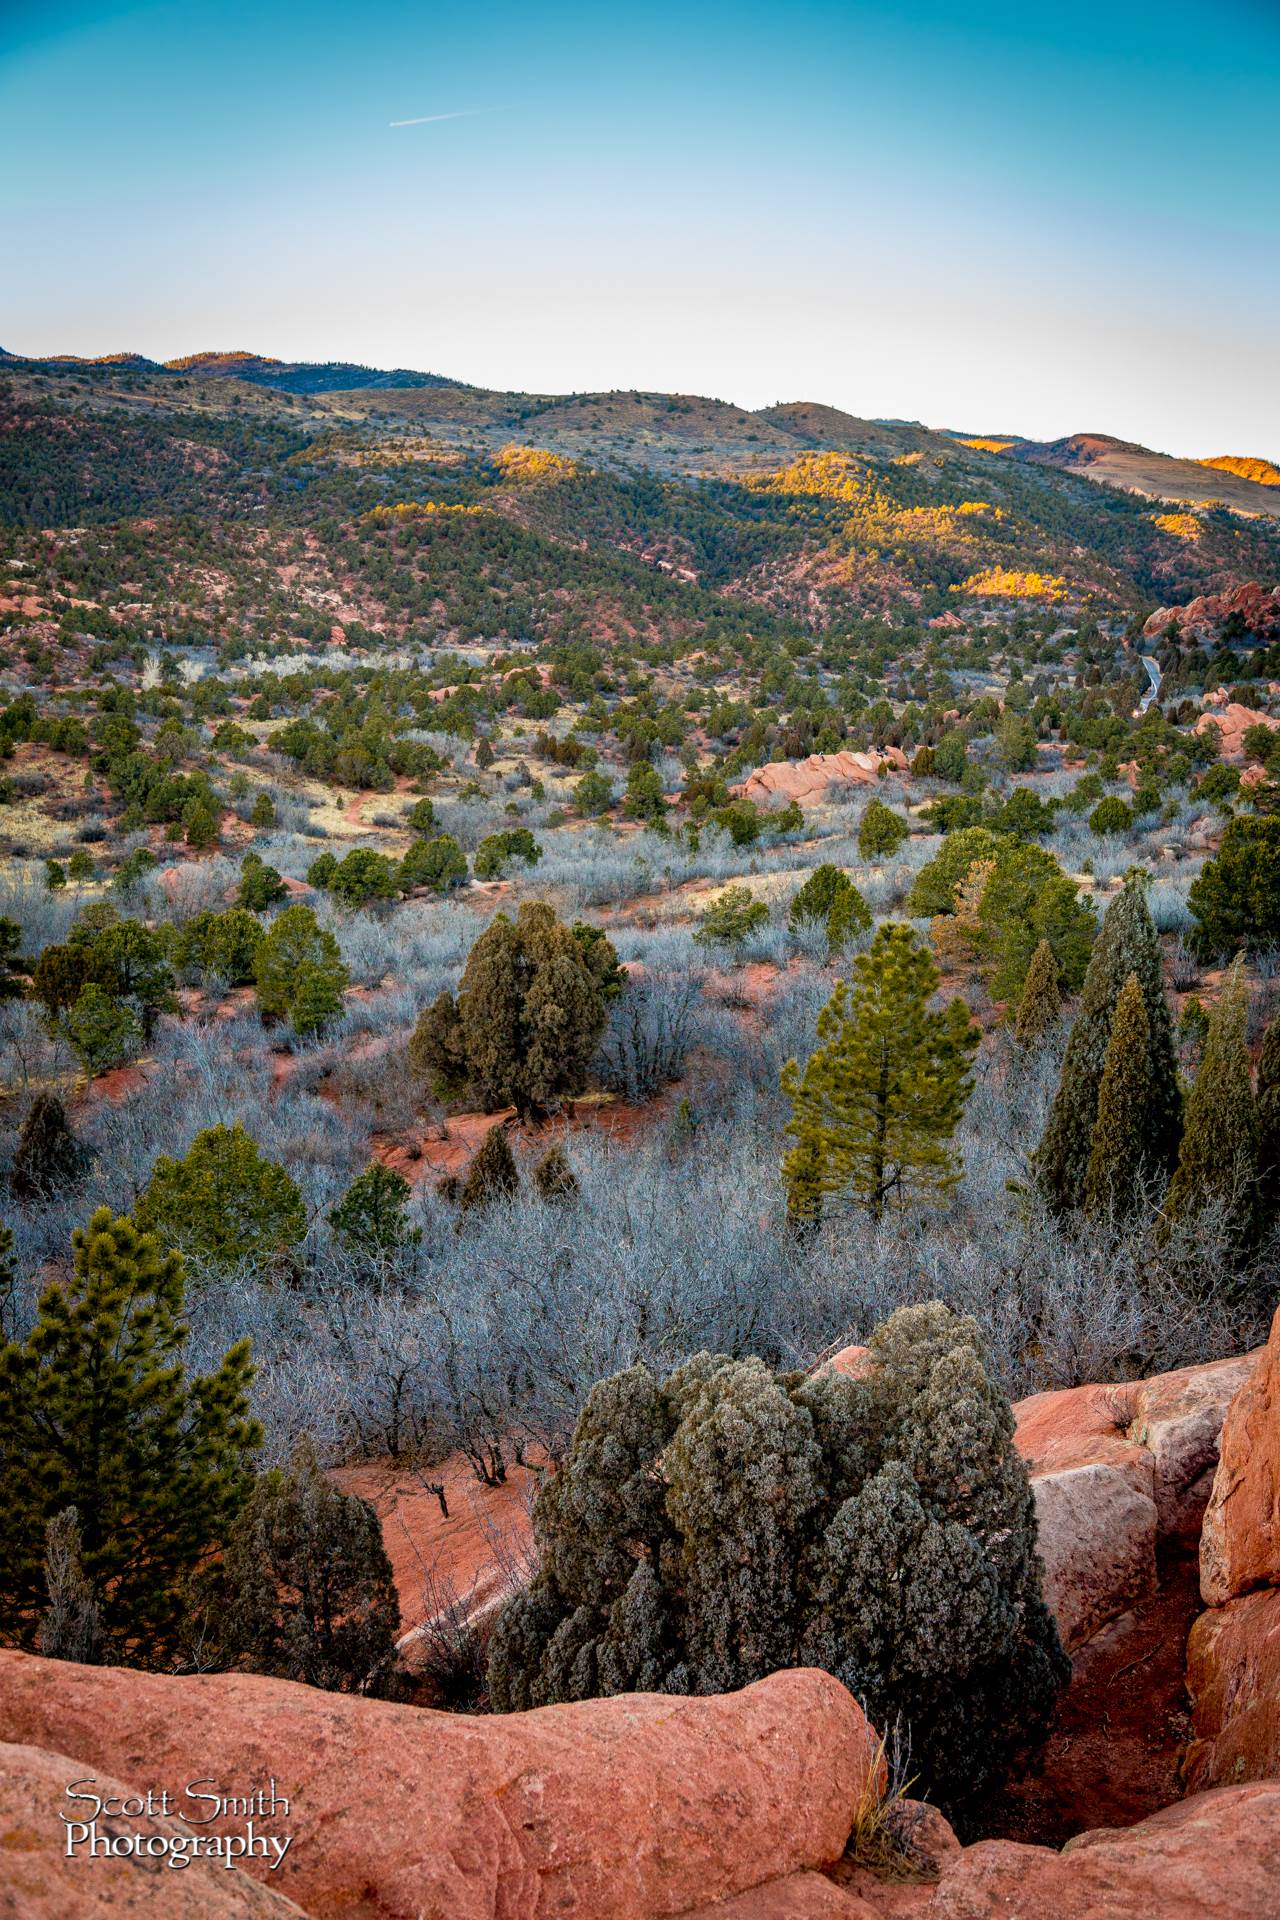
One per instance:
(1041,218)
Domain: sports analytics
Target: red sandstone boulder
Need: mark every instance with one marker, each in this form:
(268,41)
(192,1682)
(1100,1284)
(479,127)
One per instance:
(1213,1857)
(1095,1506)
(810,781)
(1233,1677)
(1178,1417)
(801,1896)
(40,1880)
(1240,1542)
(624,1809)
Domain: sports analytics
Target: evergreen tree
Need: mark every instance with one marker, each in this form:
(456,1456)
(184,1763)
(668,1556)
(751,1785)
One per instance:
(306,1592)
(492,1175)
(881,831)
(875,1109)
(260,885)
(1040,1005)
(553,1178)
(829,898)
(1269,1124)
(1117,1151)
(48,1157)
(264,811)
(1236,895)
(224,1201)
(101,1031)
(705,1530)
(299,970)
(528,1016)
(371,1213)
(1218,1160)
(96,1413)
(934,888)
(1127,943)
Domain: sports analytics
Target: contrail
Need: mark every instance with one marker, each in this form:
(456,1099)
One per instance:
(426,119)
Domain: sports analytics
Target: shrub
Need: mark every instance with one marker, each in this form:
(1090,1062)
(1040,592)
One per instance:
(496,849)
(439,864)
(1110,816)
(553,1178)
(96,1413)
(934,887)
(708,1529)
(593,795)
(102,1033)
(371,1215)
(731,918)
(223,1201)
(362,877)
(492,1175)
(829,898)
(220,946)
(260,885)
(881,831)
(47,1158)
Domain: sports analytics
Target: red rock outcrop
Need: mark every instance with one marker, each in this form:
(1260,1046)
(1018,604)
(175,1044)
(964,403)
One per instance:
(1233,722)
(1240,1542)
(1116,1472)
(1233,1677)
(1204,617)
(1213,1857)
(39,1880)
(811,781)
(623,1809)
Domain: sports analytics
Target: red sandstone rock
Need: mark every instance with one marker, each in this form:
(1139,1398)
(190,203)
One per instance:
(1207,614)
(1178,1418)
(624,1809)
(1095,1506)
(40,1881)
(801,1896)
(1240,1543)
(1233,1677)
(810,781)
(1213,1857)
(1233,722)
(854,1361)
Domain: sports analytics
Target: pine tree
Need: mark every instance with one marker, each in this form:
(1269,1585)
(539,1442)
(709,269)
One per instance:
(881,831)
(1040,1007)
(875,1109)
(47,1158)
(1117,1151)
(1218,1161)
(299,961)
(1269,1124)
(492,1175)
(96,1413)
(1128,943)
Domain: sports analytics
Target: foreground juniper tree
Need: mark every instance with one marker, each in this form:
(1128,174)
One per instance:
(1118,1150)
(1218,1161)
(710,1528)
(1127,944)
(97,1414)
(875,1109)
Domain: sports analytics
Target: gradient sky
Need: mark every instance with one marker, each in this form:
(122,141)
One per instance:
(1039,217)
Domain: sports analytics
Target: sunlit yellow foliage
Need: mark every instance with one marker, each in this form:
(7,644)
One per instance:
(531,463)
(981,506)
(988,446)
(413,510)
(1245,468)
(829,476)
(1005,584)
(1183,526)
(907,459)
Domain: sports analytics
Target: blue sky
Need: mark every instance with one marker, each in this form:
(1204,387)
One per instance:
(1039,218)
